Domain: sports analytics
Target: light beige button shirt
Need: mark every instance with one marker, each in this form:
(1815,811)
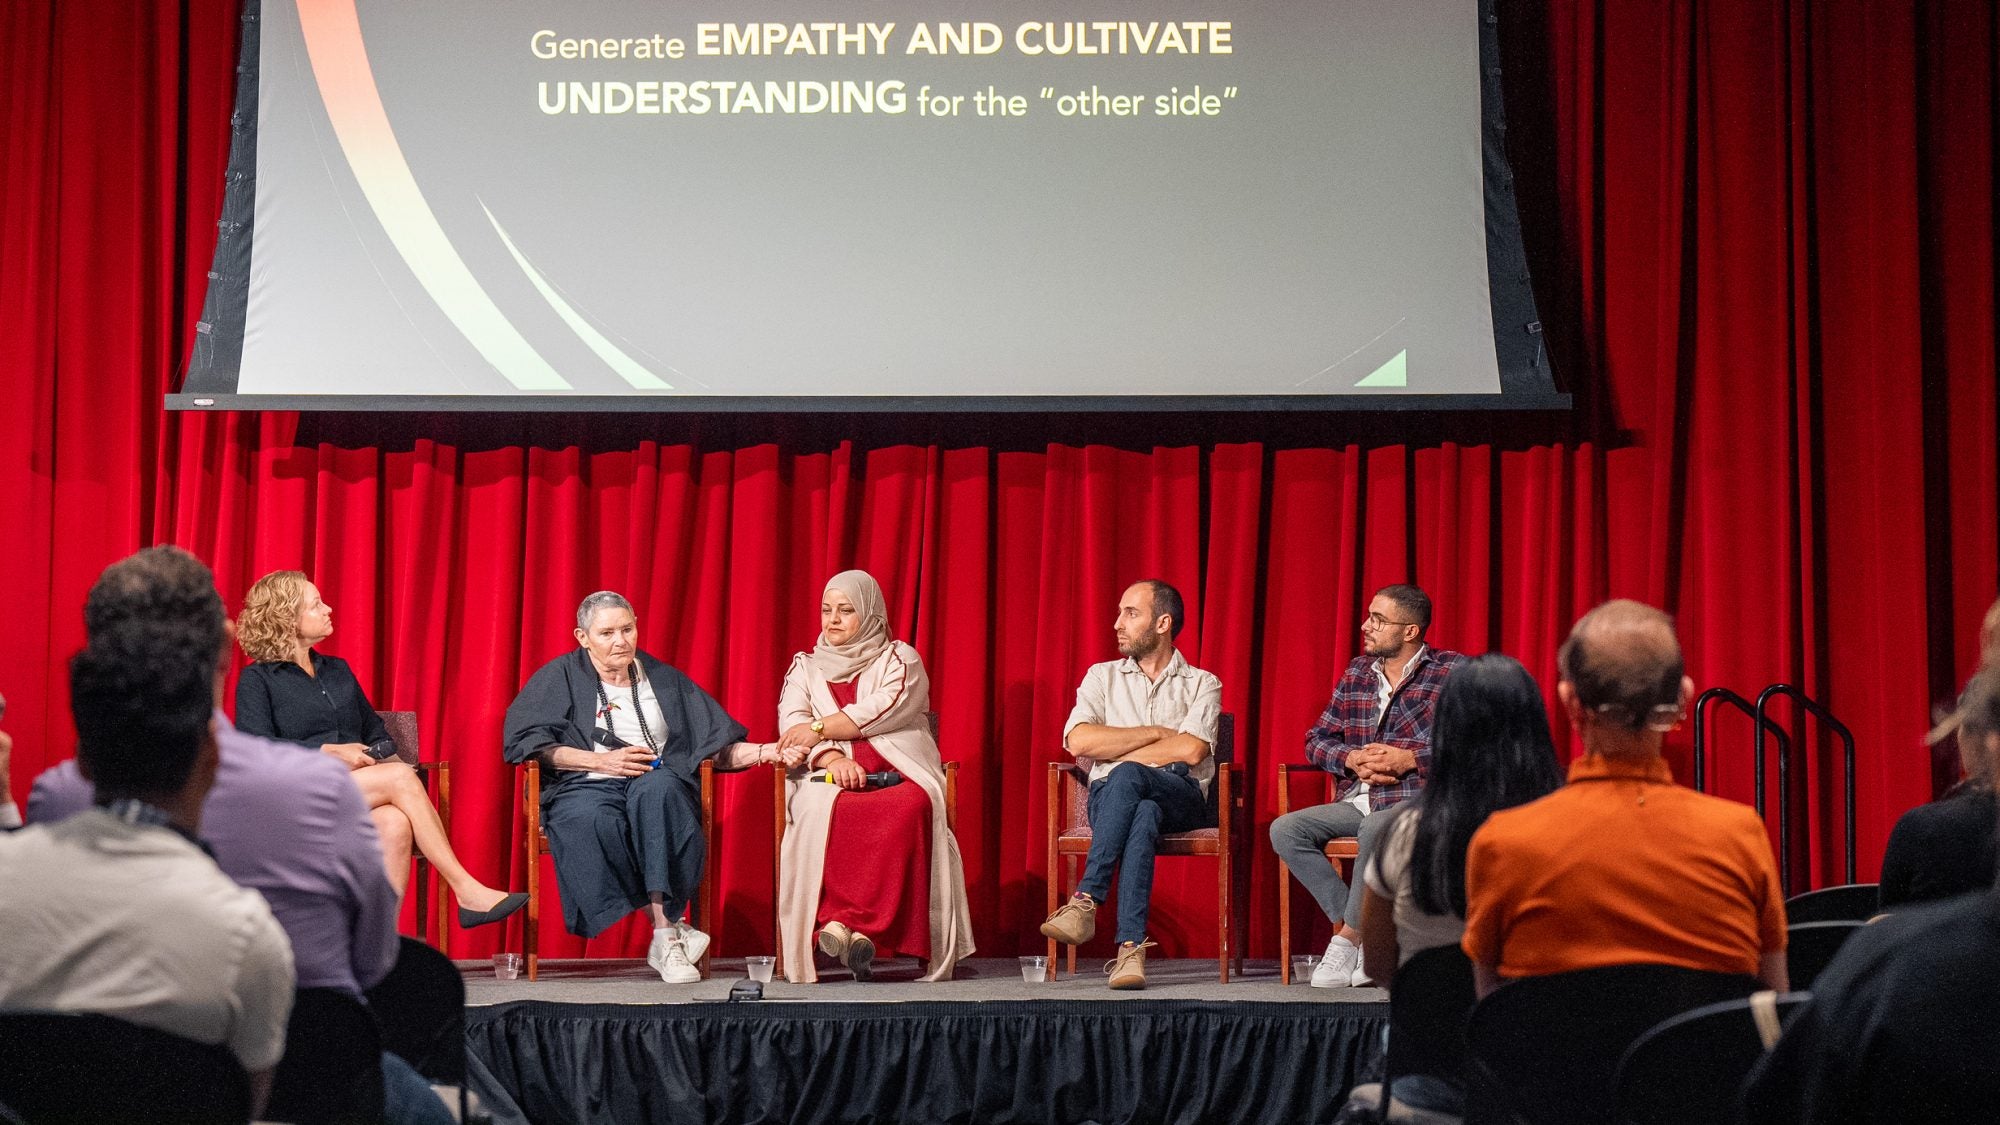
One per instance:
(1184,699)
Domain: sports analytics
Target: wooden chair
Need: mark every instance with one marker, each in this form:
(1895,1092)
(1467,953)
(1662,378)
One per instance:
(1069,839)
(538,844)
(781,817)
(1342,851)
(430,890)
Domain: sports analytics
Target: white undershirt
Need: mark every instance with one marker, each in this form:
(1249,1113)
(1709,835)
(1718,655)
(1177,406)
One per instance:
(1358,796)
(624,725)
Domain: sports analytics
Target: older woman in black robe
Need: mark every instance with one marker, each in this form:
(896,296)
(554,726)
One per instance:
(621,736)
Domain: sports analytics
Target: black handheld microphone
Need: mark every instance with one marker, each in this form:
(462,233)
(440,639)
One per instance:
(880,779)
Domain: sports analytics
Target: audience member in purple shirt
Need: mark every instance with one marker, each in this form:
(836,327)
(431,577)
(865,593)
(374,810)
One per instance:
(290,824)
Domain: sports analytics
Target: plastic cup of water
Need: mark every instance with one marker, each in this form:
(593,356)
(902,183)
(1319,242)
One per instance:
(1035,970)
(1302,966)
(507,966)
(760,967)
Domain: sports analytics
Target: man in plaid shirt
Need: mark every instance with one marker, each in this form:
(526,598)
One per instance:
(1375,739)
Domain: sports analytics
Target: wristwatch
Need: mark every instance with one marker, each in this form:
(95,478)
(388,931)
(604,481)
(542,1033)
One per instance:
(819,726)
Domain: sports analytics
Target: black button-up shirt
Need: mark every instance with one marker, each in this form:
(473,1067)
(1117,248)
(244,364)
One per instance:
(277,699)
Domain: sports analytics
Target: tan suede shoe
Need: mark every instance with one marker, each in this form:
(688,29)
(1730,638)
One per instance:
(833,939)
(1074,922)
(1128,969)
(860,956)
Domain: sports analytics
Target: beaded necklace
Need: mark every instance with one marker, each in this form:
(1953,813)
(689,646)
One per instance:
(645,731)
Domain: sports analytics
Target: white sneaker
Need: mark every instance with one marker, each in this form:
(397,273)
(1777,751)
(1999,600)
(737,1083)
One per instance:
(1338,964)
(1360,979)
(677,968)
(696,941)
(656,953)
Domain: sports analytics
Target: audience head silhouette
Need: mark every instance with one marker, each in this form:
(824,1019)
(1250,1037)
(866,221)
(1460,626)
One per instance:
(1978,717)
(1623,682)
(142,697)
(158,586)
(1490,750)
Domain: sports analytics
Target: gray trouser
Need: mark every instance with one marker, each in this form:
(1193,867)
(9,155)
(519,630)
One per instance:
(1300,839)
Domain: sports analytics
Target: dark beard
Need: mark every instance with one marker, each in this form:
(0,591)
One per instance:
(1146,646)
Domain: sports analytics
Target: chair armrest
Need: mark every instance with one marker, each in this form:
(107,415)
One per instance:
(432,767)
(1286,773)
(951,796)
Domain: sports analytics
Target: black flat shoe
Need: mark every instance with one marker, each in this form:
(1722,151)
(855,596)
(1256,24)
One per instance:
(467,919)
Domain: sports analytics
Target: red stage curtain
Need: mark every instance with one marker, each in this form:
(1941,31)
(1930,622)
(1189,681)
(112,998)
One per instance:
(1765,243)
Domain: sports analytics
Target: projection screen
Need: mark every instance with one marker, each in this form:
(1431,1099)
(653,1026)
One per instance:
(907,204)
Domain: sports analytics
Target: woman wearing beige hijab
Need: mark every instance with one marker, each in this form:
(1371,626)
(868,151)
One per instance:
(872,869)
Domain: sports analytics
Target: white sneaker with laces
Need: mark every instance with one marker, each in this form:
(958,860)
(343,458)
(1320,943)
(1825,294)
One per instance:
(696,941)
(656,953)
(1338,964)
(1360,979)
(677,968)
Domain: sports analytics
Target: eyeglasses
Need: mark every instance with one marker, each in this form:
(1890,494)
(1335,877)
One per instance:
(1377,621)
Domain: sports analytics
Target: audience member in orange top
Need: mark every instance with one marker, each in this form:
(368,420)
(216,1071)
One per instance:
(1622,866)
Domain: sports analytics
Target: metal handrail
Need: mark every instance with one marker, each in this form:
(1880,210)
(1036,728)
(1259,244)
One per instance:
(1819,711)
(1736,700)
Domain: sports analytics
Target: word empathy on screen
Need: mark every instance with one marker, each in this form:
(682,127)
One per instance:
(1035,37)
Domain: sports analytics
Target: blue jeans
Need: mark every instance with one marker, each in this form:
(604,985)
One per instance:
(407,1097)
(1129,809)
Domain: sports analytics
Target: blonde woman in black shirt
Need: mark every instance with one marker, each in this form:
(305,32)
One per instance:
(295,693)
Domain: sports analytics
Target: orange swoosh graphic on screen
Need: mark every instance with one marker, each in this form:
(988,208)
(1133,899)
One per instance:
(354,105)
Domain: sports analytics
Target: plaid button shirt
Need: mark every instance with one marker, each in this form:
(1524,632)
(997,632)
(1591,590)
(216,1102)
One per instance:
(1354,718)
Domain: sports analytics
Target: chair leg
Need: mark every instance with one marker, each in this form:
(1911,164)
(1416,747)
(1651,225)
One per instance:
(1284,923)
(440,920)
(530,927)
(1223,910)
(1052,885)
(421,890)
(1069,888)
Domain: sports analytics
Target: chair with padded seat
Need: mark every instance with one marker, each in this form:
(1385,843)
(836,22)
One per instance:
(781,818)
(428,891)
(1069,840)
(1690,1068)
(537,843)
(80,1068)
(1342,851)
(1544,1050)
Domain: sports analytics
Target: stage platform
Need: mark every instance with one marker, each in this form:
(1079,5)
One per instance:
(606,1041)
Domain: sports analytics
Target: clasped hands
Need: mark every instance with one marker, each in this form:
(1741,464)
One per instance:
(1379,763)
(796,743)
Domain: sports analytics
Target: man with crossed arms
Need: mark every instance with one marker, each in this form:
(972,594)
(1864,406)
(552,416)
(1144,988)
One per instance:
(1145,727)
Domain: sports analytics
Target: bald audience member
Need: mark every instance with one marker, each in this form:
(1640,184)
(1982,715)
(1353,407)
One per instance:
(1622,866)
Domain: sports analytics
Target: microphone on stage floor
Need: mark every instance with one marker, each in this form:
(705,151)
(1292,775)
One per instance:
(880,779)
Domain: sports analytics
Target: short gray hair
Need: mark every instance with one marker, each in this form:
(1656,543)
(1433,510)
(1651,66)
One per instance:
(603,599)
